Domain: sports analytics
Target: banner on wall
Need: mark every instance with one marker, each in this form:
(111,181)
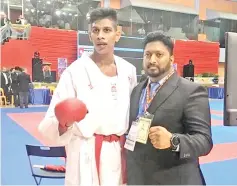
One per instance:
(62,65)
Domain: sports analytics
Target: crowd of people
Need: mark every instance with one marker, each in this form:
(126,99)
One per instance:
(15,82)
(9,31)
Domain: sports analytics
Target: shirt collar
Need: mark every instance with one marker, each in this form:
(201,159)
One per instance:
(161,81)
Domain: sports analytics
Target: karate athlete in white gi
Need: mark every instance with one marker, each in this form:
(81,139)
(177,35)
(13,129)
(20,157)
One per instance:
(104,83)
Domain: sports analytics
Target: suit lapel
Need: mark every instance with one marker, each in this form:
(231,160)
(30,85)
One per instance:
(166,90)
(135,100)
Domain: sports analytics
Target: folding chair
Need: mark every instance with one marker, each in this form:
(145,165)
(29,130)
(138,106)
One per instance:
(3,98)
(45,151)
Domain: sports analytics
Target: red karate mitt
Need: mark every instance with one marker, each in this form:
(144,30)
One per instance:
(69,111)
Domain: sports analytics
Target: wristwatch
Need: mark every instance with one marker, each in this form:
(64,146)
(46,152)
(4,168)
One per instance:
(174,141)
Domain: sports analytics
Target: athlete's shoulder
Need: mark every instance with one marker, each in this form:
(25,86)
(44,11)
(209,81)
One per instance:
(124,62)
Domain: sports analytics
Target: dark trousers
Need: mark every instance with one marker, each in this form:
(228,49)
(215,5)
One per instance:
(24,99)
(6,92)
(15,94)
(16,99)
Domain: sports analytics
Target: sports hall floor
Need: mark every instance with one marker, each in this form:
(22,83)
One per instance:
(19,127)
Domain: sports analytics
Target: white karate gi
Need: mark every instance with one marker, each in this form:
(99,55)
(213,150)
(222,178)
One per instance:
(108,114)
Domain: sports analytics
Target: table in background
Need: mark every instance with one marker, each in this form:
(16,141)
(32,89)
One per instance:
(43,96)
(40,96)
(216,92)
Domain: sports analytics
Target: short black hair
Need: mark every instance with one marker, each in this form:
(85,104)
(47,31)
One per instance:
(160,36)
(103,13)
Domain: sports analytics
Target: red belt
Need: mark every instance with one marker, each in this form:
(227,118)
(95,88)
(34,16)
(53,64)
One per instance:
(98,145)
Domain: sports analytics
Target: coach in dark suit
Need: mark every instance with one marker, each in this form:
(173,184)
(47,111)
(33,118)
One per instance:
(15,86)
(180,131)
(24,86)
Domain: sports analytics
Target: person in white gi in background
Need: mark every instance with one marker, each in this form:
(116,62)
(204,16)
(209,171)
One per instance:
(104,83)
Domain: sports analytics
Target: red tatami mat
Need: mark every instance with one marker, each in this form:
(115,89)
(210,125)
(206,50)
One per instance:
(221,152)
(30,122)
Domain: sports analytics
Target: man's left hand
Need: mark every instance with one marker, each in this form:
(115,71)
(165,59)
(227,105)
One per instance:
(160,137)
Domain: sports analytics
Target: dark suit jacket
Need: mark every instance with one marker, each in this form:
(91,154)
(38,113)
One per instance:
(15,84)
(181,107)
(3,81)
(4,84)
(24,81)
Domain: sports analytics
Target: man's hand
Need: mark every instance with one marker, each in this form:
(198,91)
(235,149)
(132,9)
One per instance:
(160,137)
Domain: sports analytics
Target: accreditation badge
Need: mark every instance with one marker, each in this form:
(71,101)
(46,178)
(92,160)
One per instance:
(132,137)
(144,123)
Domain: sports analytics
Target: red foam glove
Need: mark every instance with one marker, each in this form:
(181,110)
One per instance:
(69,111)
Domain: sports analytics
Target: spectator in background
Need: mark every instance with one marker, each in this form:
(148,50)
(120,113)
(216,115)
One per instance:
(67,26)
(15,86)
(18,69)
(191,70)
(5,82)
(21,20)
(141,31)
(24,86)
(47,74)
(3,18)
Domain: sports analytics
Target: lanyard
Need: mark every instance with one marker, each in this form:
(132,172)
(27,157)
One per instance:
(148,95)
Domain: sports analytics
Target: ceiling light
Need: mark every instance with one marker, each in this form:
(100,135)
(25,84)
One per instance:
(58,12)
